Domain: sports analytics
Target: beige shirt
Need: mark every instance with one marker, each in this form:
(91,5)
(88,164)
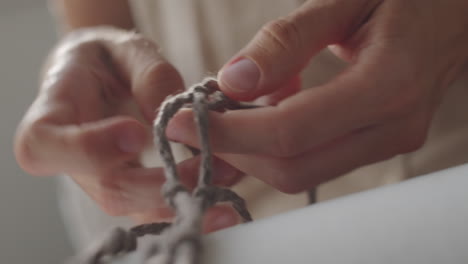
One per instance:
(199,36)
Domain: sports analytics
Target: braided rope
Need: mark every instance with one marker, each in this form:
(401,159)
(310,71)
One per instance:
(180,241)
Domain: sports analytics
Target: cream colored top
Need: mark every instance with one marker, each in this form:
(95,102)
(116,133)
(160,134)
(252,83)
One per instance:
(199,36)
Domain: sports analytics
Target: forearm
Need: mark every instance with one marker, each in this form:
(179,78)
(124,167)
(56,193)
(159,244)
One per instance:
(73,14)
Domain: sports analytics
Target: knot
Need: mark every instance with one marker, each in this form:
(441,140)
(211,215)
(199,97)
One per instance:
(183,236)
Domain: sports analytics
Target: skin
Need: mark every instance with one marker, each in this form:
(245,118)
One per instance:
(92,116)
(402,54)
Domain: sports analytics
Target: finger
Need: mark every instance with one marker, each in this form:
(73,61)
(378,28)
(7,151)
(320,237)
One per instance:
(125,191)
(129,57)
(291,88)
(284,46)
(334,158)
(136,190)
(220,217)
(45,147)
(363,95)
(293,126)
(150,76)
(224,174)
(125,61)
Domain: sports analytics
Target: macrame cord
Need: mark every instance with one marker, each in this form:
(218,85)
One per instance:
(180,241)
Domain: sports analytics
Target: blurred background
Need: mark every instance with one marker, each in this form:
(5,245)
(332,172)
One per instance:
(31,229)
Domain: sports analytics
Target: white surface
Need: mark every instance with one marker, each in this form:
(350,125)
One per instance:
(424,220)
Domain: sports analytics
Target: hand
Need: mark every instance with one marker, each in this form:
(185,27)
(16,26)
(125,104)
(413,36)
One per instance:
(92,119)
(402,54)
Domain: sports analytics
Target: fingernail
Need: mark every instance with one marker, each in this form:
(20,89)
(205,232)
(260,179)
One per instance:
(130,140)
(241,76)
(224,174)
(223,221)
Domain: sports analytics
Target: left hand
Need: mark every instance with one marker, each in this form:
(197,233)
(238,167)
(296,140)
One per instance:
(402,54)
(90,121)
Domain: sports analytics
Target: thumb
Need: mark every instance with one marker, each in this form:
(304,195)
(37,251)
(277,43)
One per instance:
(280,50)
(151,77)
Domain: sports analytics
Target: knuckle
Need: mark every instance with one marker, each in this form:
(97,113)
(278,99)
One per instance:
(96,39)
(138,42)
(25,146)
(24,153)
(160,74)
(283,34)
(87,47)
(160,69)
(81,41)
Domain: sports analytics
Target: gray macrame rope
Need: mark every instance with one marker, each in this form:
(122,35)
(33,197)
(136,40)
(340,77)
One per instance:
(180,241)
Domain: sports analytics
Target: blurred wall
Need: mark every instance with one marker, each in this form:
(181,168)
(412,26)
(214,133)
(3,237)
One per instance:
(31,231)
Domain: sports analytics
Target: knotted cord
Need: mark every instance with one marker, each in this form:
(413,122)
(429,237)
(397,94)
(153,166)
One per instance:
(180,241)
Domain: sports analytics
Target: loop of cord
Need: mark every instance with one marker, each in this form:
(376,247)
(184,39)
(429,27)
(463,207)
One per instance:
(180,241)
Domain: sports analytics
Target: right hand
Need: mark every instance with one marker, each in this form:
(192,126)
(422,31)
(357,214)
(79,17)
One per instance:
(84,123)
